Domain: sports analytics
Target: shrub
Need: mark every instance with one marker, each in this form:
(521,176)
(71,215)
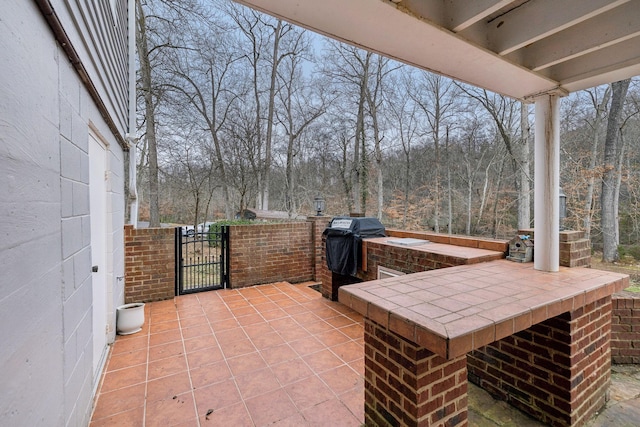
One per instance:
(216,229)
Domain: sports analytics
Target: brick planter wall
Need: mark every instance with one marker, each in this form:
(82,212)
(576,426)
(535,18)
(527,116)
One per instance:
(533,371)
(406,384)
(267,253)
(149,264)
(625,328)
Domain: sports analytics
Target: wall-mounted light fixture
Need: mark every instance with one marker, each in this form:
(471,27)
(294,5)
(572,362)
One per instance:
(562,208)
(318,203)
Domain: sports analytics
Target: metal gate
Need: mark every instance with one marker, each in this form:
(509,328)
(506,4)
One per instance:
(202,259)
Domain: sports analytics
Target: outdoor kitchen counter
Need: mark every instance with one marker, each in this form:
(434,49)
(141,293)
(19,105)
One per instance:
(454,310)
(448,253)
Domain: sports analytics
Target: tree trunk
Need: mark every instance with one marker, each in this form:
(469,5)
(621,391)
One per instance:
(611,152)
(588,201)
(272,95)
(150,131)
(524,196)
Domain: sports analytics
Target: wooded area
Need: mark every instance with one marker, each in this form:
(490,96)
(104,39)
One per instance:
(239,110)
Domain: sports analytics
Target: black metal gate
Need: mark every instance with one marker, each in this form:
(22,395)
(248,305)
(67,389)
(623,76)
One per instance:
(202,259)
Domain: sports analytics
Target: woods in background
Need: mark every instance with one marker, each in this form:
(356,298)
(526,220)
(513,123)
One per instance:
(240,110)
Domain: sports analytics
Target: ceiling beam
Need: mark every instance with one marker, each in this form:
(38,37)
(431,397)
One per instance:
(461,14)
(624,56)
(614,26)
(533,21)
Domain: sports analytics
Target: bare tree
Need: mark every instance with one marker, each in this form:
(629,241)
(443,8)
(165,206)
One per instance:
(611,157)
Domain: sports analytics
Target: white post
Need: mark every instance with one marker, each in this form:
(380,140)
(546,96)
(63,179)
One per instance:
(547,183)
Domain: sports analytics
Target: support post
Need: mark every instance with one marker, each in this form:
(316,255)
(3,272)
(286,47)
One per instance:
(547,183)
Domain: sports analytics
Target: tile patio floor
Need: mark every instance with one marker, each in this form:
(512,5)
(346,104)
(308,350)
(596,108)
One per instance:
(276,354)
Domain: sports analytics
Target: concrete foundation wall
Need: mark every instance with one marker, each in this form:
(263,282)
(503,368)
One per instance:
(47,334)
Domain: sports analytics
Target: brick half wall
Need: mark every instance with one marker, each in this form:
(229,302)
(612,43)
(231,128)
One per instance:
(267,253)
(625,328)
(149,264)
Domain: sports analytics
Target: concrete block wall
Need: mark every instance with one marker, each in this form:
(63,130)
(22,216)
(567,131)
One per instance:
(558,370)
(47,306)
(406,384)
(150,264)
(625,328)
(267,253)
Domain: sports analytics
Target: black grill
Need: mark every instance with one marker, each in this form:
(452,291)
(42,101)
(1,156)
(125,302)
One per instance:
(344,242)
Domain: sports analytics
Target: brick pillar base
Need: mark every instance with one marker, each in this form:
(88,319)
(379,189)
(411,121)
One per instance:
(408,385)
(558,371)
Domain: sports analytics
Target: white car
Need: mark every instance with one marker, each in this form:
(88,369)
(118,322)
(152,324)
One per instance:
(204,226)
(188,230)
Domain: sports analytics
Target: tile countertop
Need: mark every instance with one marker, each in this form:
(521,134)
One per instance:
(470,254)
(452,311)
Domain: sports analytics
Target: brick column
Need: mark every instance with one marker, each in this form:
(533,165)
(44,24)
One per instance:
(575,250)
(406,384)
(319,223)
(558,371)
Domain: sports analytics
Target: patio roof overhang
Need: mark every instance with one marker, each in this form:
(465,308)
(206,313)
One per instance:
(532,50)
(518,48)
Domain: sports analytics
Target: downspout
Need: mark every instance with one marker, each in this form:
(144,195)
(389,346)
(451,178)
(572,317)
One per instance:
(131,139)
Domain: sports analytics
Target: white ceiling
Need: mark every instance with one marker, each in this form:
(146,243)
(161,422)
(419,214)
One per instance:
(517,48)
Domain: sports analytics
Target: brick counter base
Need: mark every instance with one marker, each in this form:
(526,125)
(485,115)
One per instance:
(625,328)
(558,371)
(406,384)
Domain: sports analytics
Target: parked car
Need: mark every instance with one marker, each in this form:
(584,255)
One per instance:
(188,231)
(204,226)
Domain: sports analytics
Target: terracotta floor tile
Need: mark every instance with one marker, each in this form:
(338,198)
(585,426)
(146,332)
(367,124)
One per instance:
(196,331)
(270,407)
(256,383)
(121,400)
(332,337)
(237,348)
(209,374)
(124,378)
(163,316)
(271,339)
(234,415)
(127,360)
(198,343)
(316,416)
(291,371)
(131,344)
(322,360)
(306,345)
(257,330)
(163,351)
(204,356)
(171,411)
(278,313)
(216,396)
(246,363)
(169,386)
(348,351)
(168,366)
(250,319)
(342,379)
(169,325)
(230,335)
(353,400)
(319,327)
(308,392)
(223,325)
(165,337)
(339,321)
(243,311)
(353,331)
(293,333)
(187,322)
(295,420)
(278,354)
(132,418)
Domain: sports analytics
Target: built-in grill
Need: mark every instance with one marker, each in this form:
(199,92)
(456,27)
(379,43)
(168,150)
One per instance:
(344,242)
